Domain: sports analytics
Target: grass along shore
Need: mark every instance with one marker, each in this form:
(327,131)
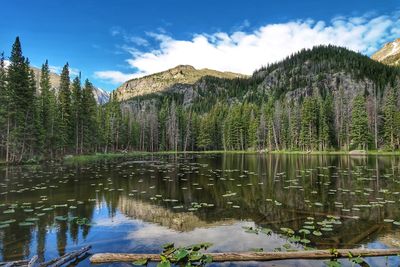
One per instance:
(108,156)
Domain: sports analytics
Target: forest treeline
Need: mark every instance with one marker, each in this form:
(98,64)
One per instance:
(41,123)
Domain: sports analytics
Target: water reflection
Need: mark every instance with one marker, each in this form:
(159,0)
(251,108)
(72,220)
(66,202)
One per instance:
(140,203)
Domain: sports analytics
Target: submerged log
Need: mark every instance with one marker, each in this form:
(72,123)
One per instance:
(254,256)
(375,228)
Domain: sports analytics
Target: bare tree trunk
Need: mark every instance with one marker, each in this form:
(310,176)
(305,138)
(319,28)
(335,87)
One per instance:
(8,140)
(187,130)
(77,135)
(376,120)
(275,139)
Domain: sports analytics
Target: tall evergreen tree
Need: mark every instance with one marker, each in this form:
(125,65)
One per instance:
(64,99)
(21,101)
(253,131)
(390,126)
(89,127)
(76,111)
(46,110)
(325,123)
(4,110)
(309,124)
(204,139)
(360,135)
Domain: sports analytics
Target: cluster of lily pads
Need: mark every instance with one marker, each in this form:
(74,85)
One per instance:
(310,228)
(32,214)
(181,256)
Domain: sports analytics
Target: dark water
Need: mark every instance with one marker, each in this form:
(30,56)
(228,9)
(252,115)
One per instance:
(138,204)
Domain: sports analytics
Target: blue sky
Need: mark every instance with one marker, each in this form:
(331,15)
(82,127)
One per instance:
(111,41)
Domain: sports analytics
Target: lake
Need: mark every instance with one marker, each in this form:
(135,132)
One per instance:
(238,202)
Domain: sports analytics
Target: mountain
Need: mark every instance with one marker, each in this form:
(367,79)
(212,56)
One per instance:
(100,95)
(389,54)
(321,70)
(302,102)
(171,79)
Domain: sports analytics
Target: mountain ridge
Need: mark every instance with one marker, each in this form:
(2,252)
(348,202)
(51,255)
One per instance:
(168,80)
(100,95)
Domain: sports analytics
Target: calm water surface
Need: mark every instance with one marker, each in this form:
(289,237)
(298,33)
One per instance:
(138,204)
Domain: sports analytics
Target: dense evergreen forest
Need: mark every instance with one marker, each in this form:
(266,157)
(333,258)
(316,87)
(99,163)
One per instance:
(326,98)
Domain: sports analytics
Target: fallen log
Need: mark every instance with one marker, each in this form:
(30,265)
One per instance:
(254,256)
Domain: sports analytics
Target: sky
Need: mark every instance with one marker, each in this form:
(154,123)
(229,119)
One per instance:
(110,42)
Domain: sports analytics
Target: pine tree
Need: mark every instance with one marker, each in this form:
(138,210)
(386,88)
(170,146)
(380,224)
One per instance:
(45,111)
(204,138)
(253,131)
(325,123)
(389,117)
(21,102)
(4,109)
(309,123)
(360,135)
(64,100)
(89,127)
(76,106)
(294,123)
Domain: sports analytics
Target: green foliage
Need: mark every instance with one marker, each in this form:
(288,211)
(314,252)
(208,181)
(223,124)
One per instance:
(309,123)
(64,100)
(391,125)
(360,135)
(21,106)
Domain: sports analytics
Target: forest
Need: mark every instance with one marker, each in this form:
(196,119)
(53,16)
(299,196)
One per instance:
(284,106)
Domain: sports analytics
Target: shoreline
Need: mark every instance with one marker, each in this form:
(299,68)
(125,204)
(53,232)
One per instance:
(69,159)
(105,156)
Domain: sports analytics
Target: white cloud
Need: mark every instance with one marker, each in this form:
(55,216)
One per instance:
(243,52)
(115,77)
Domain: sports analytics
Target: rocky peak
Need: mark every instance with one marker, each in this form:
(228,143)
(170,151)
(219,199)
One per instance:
(389,53)
(167,80)
(100,95)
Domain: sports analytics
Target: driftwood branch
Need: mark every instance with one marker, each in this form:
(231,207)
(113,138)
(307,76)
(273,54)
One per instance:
(254,256)
(66,258)
(53,263)
(14,263)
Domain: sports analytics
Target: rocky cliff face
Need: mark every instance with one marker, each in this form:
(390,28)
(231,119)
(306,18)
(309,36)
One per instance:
(172,79)
(389,53)
(100,95)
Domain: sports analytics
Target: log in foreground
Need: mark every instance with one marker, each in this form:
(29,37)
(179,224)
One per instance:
(254,256)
